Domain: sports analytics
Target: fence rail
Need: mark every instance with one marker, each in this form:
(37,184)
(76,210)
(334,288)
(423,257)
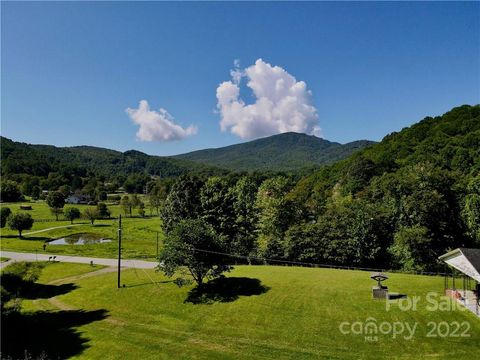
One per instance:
(266,261)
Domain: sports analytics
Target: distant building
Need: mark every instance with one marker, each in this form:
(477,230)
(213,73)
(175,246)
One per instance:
(77,199)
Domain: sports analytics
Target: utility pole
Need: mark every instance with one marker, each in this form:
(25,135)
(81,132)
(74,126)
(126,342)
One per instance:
(119,248)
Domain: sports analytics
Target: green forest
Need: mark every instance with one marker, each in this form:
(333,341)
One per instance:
(397,204)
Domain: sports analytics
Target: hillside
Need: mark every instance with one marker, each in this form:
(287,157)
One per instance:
(41,160)
(414,195)
(287,151)
(450,142)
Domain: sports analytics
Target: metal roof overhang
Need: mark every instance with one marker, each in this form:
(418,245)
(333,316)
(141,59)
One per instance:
(465,260)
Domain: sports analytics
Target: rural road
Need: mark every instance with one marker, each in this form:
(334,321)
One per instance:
(130,263)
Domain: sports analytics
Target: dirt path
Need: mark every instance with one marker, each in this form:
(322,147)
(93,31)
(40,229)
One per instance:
(65,307)
(52,228)
(61,305)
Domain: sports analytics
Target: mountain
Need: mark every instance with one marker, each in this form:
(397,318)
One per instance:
(41,160)
(450,143)
(287,151)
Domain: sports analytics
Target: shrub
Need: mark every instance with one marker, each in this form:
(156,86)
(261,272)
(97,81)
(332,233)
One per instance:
(71,213)
(103,211)
(4,214)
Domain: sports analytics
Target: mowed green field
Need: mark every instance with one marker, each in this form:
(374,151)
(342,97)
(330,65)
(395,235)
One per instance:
(139,238)
(268,312)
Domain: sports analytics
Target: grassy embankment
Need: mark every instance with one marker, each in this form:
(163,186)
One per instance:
(263,313)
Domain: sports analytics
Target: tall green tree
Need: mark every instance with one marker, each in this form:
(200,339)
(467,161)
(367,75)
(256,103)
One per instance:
(56,202)
(20,222)
(91,214)
(217,208)
(9,191)
(194,245)
(412,249)
(471,210)
(275,215)
(244,195)
(183,202)
(126,205)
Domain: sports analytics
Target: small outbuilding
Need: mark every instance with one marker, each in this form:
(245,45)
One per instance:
(466,263)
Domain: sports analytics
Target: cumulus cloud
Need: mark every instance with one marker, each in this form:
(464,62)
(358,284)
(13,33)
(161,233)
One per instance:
(282,103)
(157,125)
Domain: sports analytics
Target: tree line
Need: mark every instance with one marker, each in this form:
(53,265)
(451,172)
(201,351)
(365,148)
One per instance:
(398,204)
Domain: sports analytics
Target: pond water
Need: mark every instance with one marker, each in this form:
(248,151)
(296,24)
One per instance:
(80,239)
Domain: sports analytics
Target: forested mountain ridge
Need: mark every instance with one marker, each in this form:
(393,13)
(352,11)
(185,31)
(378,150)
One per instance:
(450,142)
(289,151)
(41,160)
(284,152)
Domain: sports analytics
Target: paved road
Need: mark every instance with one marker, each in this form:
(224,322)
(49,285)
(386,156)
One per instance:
(17,256)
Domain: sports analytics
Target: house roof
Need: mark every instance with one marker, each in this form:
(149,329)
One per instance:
(466,260)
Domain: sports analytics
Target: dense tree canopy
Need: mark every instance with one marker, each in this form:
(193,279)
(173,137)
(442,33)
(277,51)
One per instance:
(400,203)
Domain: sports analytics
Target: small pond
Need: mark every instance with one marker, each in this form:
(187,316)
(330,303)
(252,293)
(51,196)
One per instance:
(80,239)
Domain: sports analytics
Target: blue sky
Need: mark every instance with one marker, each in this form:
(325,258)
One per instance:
(70,70)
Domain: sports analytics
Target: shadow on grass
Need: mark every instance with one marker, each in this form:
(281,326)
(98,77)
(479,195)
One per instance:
(44,291)
(50,333)
(15,285)
(226,289)
(395,296)
(38,238)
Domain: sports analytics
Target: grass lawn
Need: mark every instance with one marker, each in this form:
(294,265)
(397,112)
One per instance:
(57,270)
(267,312)
(138,240)
(3,259)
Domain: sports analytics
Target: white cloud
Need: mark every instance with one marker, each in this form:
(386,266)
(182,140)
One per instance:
(236,73)
(282,103)
(157,125)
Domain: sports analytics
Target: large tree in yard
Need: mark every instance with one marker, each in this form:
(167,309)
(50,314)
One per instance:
(193,245)
(20,222)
